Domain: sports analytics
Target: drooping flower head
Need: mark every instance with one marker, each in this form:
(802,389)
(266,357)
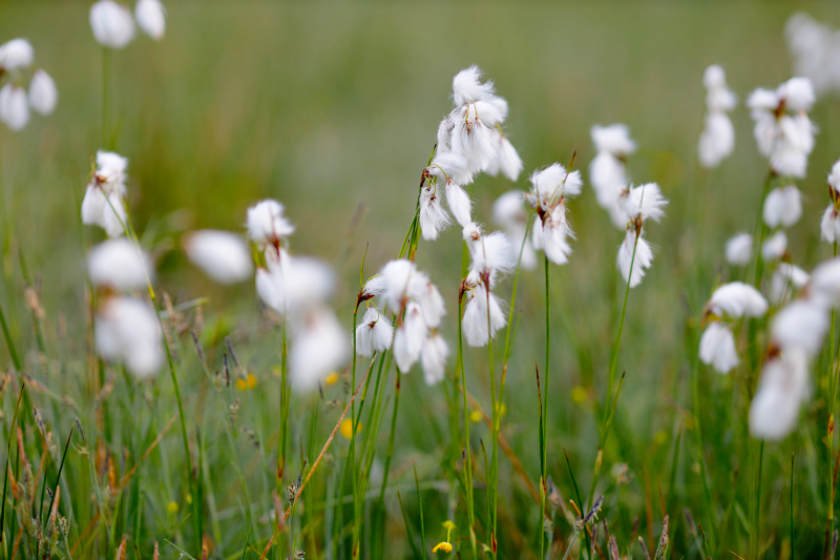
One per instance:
(550,188)
(104,201)
(607,171)
(635,255)
(111,24)
(718,137)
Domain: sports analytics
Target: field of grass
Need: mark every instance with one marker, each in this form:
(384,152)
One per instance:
(332,109)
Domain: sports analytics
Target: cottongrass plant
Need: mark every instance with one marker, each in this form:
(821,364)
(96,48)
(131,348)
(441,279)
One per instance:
(765,328)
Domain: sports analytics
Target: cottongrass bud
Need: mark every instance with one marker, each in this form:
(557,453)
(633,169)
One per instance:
(119,264)
(16,54)
(635,256)
(111,24)
(14,107)
(607,171)
(103,202)
(509,213)
(739,249)
(151,17)
(786,279)
(43,94)
(267,226)
(374,334)
(782,388)
(221,254)
(775,247)
(717,347)
(409,337)
(433,358)
(736,300)
(128,331)
(782,207)
(319,346)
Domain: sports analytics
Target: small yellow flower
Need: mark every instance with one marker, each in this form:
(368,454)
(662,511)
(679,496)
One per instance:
(347,428)
(172,508)
(189,498)
(579,395)
(248,383)
(448,525)
(331,379)
(476,416)
(443,547)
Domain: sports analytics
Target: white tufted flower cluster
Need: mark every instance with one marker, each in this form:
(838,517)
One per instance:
(104,201)
(15,57)
(830,224)
(550,188)
(297,288)
(607,171)
(783,131)
(223,255)
(470,141)
(127,329)
(416,303)
(797,332)
(729,303)
(718,137)
(635,255)
(510,214)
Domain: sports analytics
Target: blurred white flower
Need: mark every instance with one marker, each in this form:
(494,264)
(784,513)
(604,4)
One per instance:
(825,283)
(736,300)
(266,224)
(120,265)
(319,346)
(433,358)
(783,206)
(783,131)
(816,51)
(16,54)
(224,256)
(374,333)
(717,347)
(718,137)
(291,284)
(739,249)
(509,213)
(43,94)
(786,279)
(409,337)
(774,247)
(111,24)
(14,107)
(782,388)
(151,17)
(830,224)
(801,324)
(639,264)
(128,331)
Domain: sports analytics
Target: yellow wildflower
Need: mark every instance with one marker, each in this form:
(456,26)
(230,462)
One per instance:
(248,383)
(331,379)
(172,508)
(347,428)
(579,395)
(476,416)
(442,547)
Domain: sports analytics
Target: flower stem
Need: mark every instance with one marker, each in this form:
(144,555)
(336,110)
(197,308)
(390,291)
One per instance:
(106,97)
(467,455)
(544,427)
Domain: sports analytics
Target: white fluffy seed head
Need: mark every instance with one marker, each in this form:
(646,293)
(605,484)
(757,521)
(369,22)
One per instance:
(409,337)
(224,256)
(128,331)
(433,358)
(16,54)
(111,23)
(318,347)
(736,300)
(467,87)
(787,279)
(646,201)
(433,217)
(801,324)
(782,388)
(151,17)
(14,106)
(266,223)
(830,224)
(633,268)
(774,247)
(717,347)
(43,94)
(782,207)
(475,320)
(613,139)
(374,333)
(120,265)
(739,249)
(716,141)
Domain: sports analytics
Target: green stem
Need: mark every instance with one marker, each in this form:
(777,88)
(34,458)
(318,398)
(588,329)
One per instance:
(9,342)
(494,479)
(467,455)
(106,96)
(544,427)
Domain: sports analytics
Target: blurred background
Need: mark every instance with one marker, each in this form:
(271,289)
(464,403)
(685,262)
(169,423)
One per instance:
(332,109)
